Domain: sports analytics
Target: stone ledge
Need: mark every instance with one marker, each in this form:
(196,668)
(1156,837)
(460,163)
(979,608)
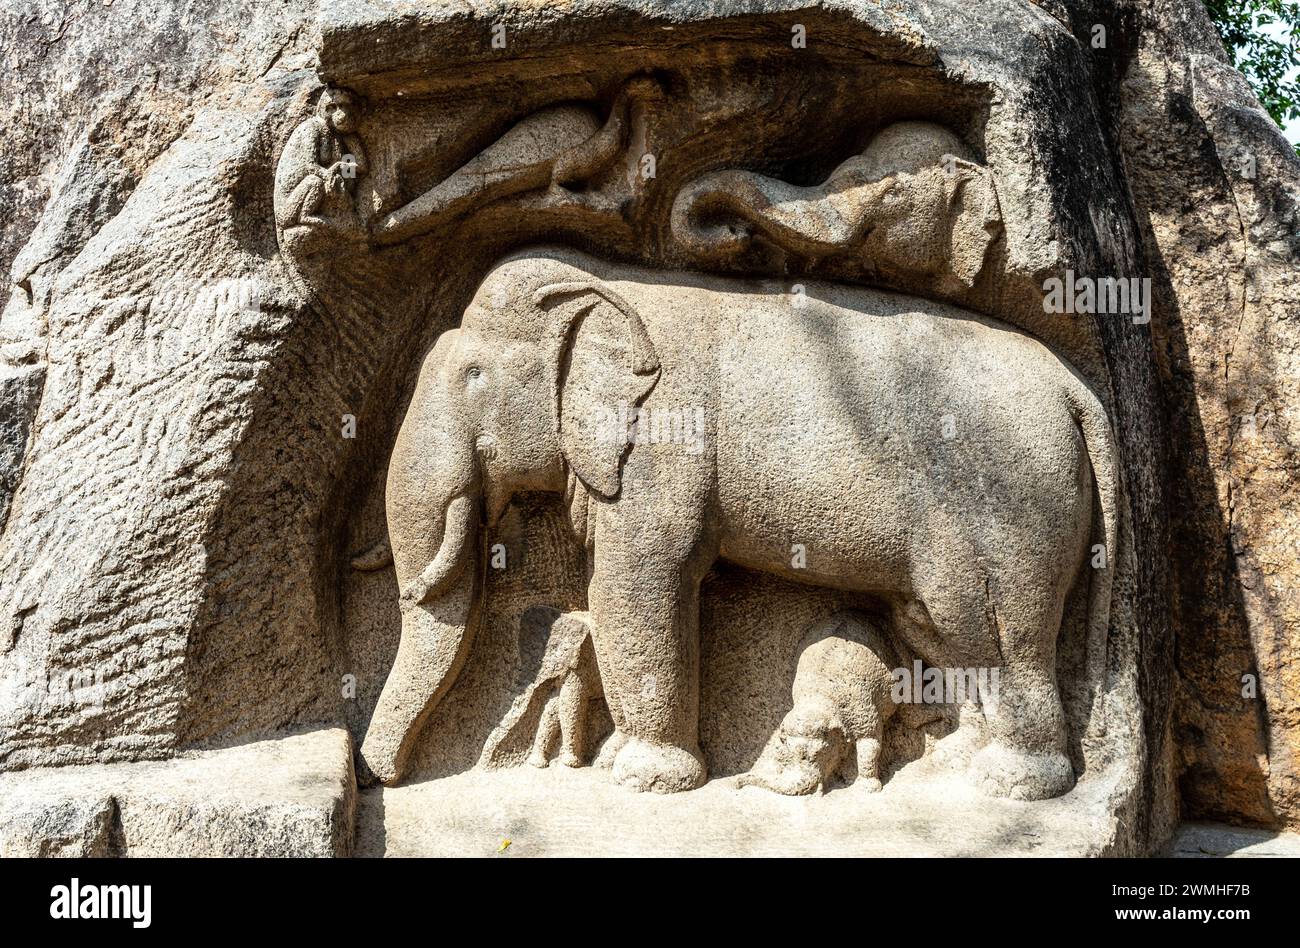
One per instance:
(361,39)
(562,812)
(1221,841)
(286,796)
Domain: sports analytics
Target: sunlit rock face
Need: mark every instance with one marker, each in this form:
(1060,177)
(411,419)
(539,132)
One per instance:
(882,411)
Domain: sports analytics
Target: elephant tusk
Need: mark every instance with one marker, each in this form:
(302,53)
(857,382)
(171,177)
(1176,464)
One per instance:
(460,520)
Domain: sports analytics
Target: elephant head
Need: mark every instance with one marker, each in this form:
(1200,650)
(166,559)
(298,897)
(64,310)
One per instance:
(945,215)
(510,401)
(914,201)
(806,749)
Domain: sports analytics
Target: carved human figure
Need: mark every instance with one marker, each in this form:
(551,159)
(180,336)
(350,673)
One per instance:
(914,202)
(558,701)
(842,700)
(320,164)
(941,461)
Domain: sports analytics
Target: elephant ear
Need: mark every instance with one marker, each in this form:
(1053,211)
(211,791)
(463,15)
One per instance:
(976,219)
(605,367)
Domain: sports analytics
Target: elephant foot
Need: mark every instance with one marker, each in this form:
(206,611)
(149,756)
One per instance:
(539,761)
(659,768)
(869,785)
(609,749)
(1002,771)
(568,758)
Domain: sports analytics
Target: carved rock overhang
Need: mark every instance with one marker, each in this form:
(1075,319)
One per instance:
(732,92)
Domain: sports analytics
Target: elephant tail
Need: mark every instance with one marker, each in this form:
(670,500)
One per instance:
(374,557)
(1099,441)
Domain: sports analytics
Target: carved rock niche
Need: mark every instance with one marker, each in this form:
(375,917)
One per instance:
(743,438)
(619,427)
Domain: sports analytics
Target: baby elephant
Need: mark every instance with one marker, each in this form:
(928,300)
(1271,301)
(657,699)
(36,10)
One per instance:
(842,686)
(555,708)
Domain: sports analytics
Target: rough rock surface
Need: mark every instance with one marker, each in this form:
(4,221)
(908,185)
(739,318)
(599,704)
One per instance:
(1216,188)
(287,796)
(178,507)
(1217,840)
(577,813)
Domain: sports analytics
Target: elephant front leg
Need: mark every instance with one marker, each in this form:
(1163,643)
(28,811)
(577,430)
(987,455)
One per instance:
(868,752)
(645,629)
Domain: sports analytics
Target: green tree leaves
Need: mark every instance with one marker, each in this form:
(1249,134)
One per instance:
(1263,39)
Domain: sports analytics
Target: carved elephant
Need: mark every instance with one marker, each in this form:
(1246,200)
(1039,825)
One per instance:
(557,703)
(914,203)
(942,462)
(843,697)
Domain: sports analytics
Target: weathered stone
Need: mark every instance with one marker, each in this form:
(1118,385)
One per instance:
(230,486)
(1216,186)
(288,796)
(34,822)
(1216,840)
(563,812)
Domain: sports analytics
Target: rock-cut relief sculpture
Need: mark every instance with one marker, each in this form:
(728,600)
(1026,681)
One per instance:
(555,148)
(969,534)
(316,175)
(843,699)
(914,203)
(554,711)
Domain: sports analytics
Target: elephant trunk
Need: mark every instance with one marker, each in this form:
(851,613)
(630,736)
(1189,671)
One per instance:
(791,778)
(437,629)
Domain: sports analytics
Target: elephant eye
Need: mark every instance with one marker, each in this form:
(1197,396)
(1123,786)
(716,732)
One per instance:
(473,372)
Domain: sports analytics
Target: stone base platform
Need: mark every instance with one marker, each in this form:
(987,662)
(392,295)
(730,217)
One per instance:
(1218,840)
(288,796)
(563,812)
(296,796)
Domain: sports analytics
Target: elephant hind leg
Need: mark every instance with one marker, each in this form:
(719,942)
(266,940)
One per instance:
(1025,758)
(1007,629)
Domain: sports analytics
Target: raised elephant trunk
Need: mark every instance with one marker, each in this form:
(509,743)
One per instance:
(438,620)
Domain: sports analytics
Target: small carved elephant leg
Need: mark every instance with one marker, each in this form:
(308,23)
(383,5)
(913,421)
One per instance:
(868,751)
(572,712)
(548,727)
